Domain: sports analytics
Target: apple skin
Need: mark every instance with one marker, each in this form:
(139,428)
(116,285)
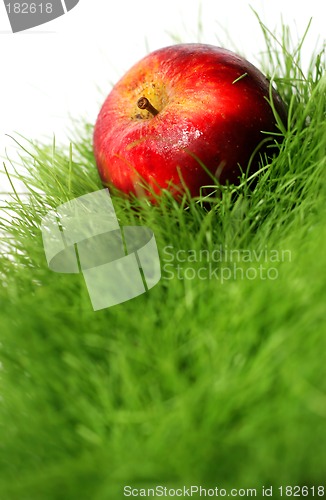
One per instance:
(205,117)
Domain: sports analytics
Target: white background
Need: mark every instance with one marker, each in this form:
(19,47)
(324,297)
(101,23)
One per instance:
(65,68)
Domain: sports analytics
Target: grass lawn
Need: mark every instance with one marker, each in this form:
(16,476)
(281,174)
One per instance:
(216,377)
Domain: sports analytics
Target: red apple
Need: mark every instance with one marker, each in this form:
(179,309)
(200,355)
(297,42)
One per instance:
(181,116)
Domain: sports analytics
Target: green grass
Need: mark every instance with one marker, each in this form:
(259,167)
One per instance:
(198,381)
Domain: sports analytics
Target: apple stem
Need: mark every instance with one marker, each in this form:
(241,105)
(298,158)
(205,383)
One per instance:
(143,103)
